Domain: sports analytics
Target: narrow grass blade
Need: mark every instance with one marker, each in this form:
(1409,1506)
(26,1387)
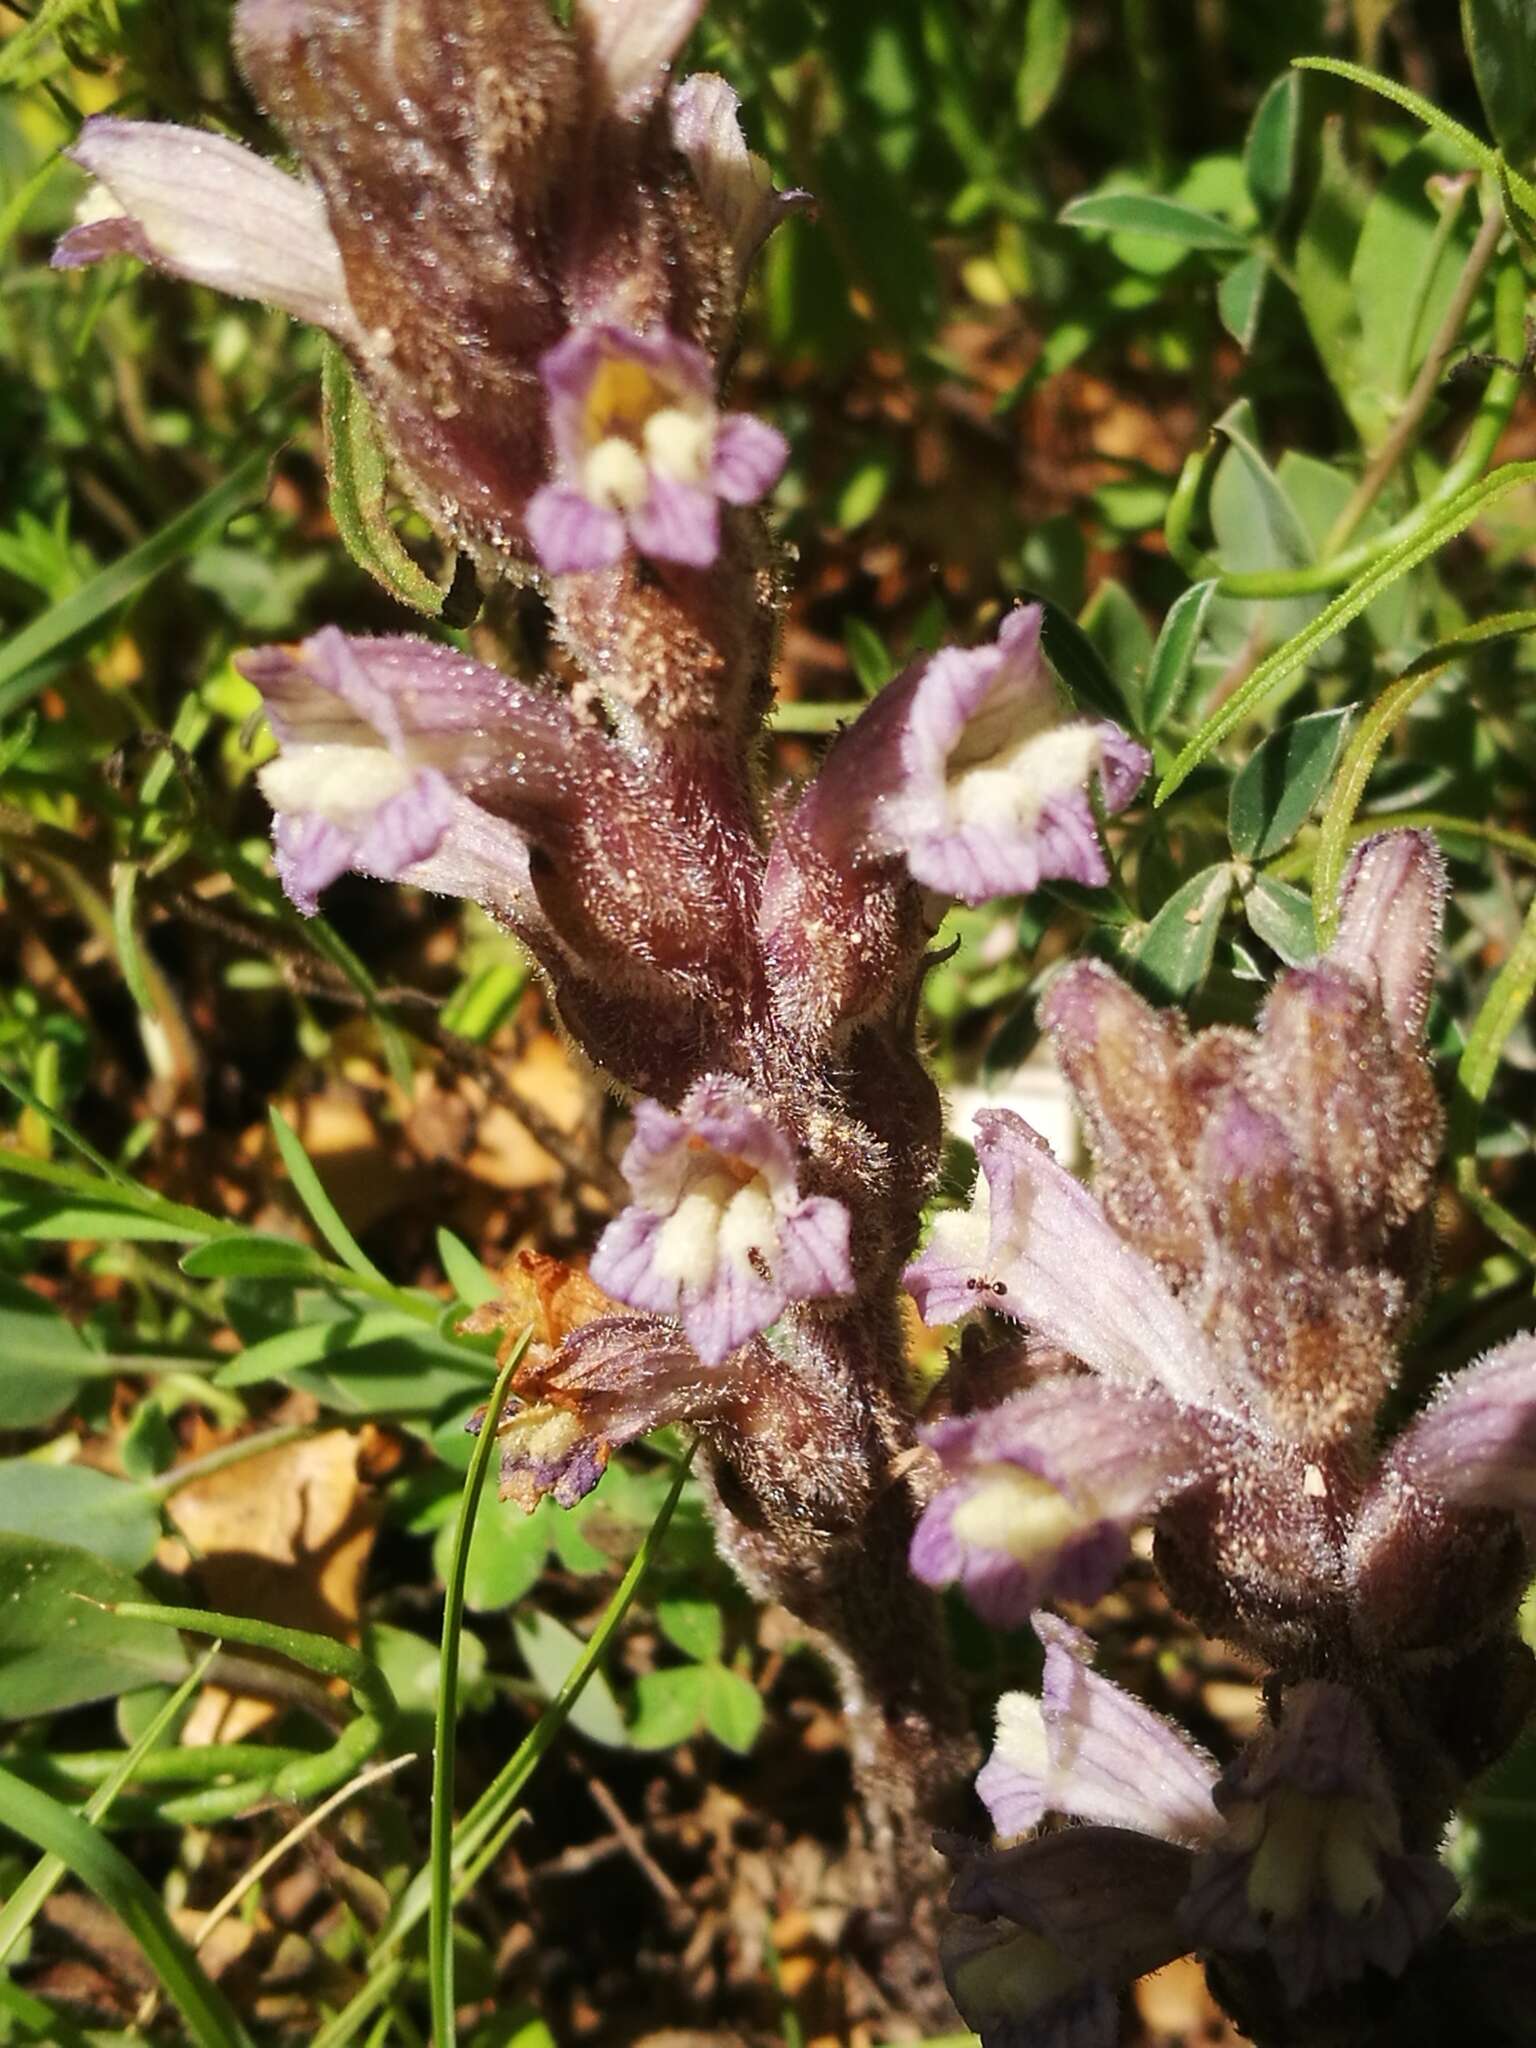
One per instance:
(440,1920)
(1364,750)
(490,1811)
(86,608)
(25,1902)
(323,1212)
(104,1869)
(1266,679)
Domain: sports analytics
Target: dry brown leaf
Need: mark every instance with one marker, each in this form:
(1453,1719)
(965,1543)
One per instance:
(283,1537)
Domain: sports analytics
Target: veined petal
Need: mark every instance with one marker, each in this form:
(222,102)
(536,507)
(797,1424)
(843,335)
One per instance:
(1090,1751)
(1044,1489)
(987,791)
(749,458)
(677,523)
(1476,1441)
(570,534)
(719,1234)
(1107,1898)
(212,211)
(1045,1233)
(632,45)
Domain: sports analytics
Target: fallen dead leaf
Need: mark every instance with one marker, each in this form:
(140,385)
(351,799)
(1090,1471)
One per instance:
(283,1537)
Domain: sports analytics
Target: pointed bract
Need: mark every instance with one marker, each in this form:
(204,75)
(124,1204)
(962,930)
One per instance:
(1391,908)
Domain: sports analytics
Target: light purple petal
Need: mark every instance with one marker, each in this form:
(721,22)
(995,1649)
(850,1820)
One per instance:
(1391,907)
(1045,1489)
(311,853)
(93,240)
(632,45)
(677,523)
(570,534)
(718,1234)
(682,373)
(1476,1442)
(212,211)
(1045,1234)
(409,828)
(1089,1751)
(984,791)
(749,458)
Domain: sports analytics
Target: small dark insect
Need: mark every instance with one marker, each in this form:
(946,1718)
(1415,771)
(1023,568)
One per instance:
(1477,359)
(461,604)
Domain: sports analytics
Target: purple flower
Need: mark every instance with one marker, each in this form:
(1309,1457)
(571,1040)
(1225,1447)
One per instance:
(610,1381)
(643,455)
(1054,1927)
(985,789)
(1024,1247)
(630,45)
(204,208)
(383,746)
(1044,1491)
(1310,1865)
(719,1234)
(1089,1751)
(1476,1442)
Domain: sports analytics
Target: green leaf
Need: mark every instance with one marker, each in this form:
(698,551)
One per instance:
(863,491)
(1145,213)
(1119,635)
(669,1706)
(1240,298)
(26,659)
(252,1256)
(466,1275)
(44,1361)
(358,466)
(694,1626)
(1047,45)
(59,1650)
(1500,36)
(1269,158)
(552,1653)
(1078,663)
(1451,519)
(1276,787)
(1406,266)
(1173,656)
(1470,147)
(111,1518)
(101,1865)
(506,1555)
(1325,254)
(869,656)
(1282,917)
(733,1708)
(1174,953)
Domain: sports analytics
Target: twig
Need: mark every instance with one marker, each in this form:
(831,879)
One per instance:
(1409,422)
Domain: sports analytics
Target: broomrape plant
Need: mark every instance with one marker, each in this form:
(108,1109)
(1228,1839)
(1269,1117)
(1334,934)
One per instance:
(531,241)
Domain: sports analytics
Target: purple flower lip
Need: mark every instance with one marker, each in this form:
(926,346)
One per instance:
(719,1234)
(643,456)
